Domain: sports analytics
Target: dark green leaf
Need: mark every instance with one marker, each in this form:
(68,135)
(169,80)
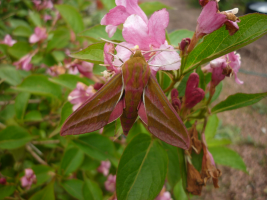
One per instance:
(45,194)
(21,103)
(212,126)
(96,32)
(70,80)
(217,91)
(150,7)
(19,49)
(96,146)
(228,157)
(238,100)
(23,31)
(91,190)
(74,188)
(182,167)
(43,173)
(65,112)
(6,190)
(35,18)
(33,116)
(10,74)
(177,36)
(179,192)
(93,53)
(182,86)
(218,43)
(202,81)
(13,137)
(142,169)
(8,112)
(71,160)
(59,40)
(71,16)
(40,85)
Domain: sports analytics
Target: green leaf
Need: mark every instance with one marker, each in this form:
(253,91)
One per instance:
(35,18)
(74,188)
(91,190)
(182,86)
(23,31)
(21,103)
(70,80)
(10,74)
(108,4)
(8,112)
(182,167)
(142,169)
(45,194)
(43,173)
(217,142)
(228,157)
(19,49)
(238,100)
(179,192)
(40,85)
(93,53)
(174,173)
(6,190)
(177,36)
(71,16)
(95,145)
(96,32)
(218,91)
(65,112)
(60,39)
(218,43)
(202,81)
(211,127)
(150,7)
(13,137)
(33,116)
(71,160)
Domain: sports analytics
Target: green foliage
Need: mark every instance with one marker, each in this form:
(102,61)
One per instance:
(91,190)
(44,194)
(72,159)
(150,7)
(142,165)
(74,187)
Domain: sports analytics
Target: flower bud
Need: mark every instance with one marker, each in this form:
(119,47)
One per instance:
(184,44)
(176,103)
(98,86)
(110,183)
(104,167)
(2,181)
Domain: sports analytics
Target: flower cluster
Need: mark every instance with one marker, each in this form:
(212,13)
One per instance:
(28,179)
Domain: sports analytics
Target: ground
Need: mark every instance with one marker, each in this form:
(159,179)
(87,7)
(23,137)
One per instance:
(251,141)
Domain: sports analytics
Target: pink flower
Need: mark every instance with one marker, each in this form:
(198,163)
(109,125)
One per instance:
(43,4)
(85,68)
(110,183)
(39,34)
(120,13)
(104,167)
(8,40)
(24,62)
(28,179)
(176,103)
(211,19)
(234,60)
(147,35)
(47,17)
(193,94)
(164,195)
(2,181)
(80,94)
(98,86)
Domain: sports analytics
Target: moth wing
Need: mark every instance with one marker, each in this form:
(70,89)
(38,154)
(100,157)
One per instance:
(102,108)
(162,120)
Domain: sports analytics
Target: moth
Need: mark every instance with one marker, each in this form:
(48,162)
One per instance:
(132,92)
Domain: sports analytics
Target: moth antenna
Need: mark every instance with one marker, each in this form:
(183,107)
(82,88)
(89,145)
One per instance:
(117,44)
(153,57)
(161,50)
(116,57)
(163,65)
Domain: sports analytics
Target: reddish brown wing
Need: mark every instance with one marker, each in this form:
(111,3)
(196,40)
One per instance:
(95,113)
(162,120)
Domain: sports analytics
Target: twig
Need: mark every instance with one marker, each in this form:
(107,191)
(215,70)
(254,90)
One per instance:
(12,101)
(46,142)
(40,160)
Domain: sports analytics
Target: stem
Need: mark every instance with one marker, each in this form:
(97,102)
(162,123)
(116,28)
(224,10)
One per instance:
(40,160)
(46,142)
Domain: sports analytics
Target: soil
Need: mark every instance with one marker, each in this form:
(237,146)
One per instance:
(251,121)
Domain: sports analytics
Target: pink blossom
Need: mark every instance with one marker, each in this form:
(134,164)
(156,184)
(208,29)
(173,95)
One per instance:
(2,181)
(39,34)
(28,179)
(110,183)
(8,40)
(80,94)
(24,62)
(104,167)
(211,19)
(47,17)
(85,68)
(98,86)
(163,195)
(43,4)
(193,94)
(234,60)
(120,13)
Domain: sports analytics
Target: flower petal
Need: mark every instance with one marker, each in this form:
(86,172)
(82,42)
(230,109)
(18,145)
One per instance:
(115,16)
(132,7)
(123,53)
(110,29)
(157,24)
(135,31)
